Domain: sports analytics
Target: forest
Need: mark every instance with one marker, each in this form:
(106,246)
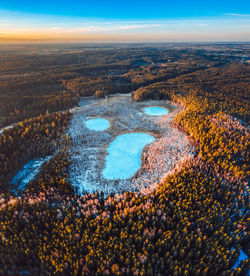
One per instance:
(39,79)
(193,223)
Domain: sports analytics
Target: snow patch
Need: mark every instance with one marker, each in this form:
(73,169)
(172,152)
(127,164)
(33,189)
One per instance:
(27,173)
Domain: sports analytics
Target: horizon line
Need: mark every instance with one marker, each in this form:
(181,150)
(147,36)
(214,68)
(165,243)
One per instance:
(127,42)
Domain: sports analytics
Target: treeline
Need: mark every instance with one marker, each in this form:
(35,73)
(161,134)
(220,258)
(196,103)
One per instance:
(88,86)
(222,140)
(51,79)
(131,78)
(224,89)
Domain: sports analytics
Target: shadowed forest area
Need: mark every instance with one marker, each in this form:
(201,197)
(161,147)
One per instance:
(37,79)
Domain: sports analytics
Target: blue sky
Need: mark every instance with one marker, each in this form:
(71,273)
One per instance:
(124,21)
(128,9)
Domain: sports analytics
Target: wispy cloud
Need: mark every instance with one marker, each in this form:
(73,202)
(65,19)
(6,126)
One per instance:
(227,27)
(138,26)
(238,14)
(99,28)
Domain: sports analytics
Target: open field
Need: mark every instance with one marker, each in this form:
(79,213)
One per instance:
(88,149)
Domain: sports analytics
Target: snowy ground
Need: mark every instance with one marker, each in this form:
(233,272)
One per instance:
(27,173)
(6,128)
(89,147)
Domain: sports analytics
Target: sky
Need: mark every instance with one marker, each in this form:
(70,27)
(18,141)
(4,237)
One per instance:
(48,21)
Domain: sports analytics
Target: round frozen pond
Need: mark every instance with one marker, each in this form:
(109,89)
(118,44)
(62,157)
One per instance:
(155,111)
(123,158)
(98,124)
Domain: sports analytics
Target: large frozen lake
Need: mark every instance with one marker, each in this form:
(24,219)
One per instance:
(155,111)
(123,158)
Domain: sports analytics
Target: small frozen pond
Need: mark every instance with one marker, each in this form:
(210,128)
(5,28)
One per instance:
(27,173)
(98,124)
(241,258)
(155,111)
(123,158)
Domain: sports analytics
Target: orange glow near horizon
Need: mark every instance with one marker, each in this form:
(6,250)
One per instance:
(25,28)
(48,37)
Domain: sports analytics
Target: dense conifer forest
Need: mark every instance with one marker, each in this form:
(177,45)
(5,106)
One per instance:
(195,222)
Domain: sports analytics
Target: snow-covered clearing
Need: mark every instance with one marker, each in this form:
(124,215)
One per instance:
(27,173)
(89,148)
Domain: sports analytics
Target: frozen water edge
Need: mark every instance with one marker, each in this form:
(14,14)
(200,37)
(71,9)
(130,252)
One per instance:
(27,173)
(124,155)
(241,258)
(88,149)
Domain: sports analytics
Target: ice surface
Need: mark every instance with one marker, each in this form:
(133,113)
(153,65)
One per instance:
(98,124)
(155,111)
(123,158)
(27,173)
(241,258)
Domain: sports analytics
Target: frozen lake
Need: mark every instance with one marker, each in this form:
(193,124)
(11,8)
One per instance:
(129,167)
(27,173)
(155,111)
(123,158)
(98,124)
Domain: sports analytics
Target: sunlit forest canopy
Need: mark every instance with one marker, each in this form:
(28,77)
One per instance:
(192,221)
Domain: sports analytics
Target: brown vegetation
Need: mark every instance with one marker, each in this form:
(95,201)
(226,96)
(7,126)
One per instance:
(188,225)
